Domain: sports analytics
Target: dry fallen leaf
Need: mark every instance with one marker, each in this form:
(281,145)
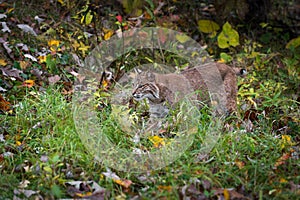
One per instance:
(229,194)
(4,105)
(3,16)
(27,193)
(24,64)
(11,72)
(167,188)
(30,57)
(27,29)
(53,79)
(53,44)
(5,27)
(240,164)
(3,62)
(86,190)
(107,33)
(123,182)
(282,159)
(286,141)
(226,194)
(28,83)
(6,47)
(78,76)
(157,141)
(24,184)
(42,58)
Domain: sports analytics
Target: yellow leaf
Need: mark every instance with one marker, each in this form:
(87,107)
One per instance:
(82,195)
(88,18)
(61,2)
(18,143)
(53,43)
(122,196)
(226,194)
(182,38)
(3,62)
(82,19)
(28,83)
(83,48)
(286,141)
(283,180)
(107,33)
(75,45)
(42,59)
(10,10)
(157,141)
(293,43)
(221,60)
(208,26)
(228,37)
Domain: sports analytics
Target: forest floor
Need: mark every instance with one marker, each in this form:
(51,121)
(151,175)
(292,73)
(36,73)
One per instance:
(43,155)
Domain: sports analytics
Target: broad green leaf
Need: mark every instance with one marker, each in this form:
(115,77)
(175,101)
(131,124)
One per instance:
(208,26)
(228,37)
(224,56)
(132,7)
(293,43)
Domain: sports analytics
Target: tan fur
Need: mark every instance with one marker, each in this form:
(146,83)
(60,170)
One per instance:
(173,87)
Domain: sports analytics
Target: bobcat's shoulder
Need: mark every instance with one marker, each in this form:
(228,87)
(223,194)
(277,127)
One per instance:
(160,88)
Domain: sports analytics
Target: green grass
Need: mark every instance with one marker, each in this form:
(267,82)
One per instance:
(43,146)
(43,123)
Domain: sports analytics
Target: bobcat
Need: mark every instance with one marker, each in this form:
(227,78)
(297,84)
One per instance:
(161,90)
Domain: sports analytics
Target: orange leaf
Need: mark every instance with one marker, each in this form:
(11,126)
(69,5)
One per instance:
(125,183)
(240,164)
(165,188)
(282,159)
(82,195)
(28,83)
(4,105)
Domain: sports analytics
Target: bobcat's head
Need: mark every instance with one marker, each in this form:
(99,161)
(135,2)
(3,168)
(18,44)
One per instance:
(145,87)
